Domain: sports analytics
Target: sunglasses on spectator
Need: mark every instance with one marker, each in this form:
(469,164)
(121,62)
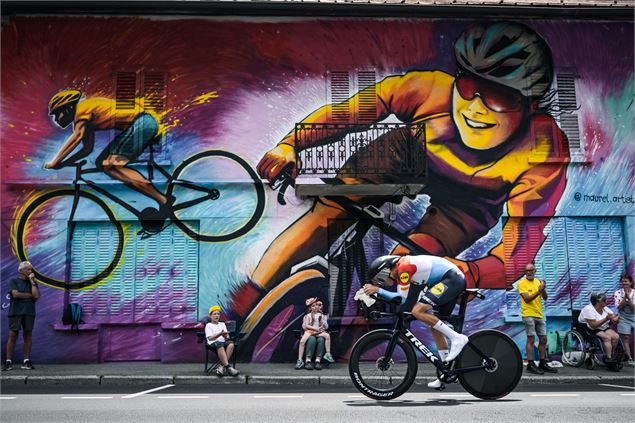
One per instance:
(496,97)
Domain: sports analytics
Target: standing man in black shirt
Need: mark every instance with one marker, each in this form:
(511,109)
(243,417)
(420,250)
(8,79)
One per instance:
(24,292)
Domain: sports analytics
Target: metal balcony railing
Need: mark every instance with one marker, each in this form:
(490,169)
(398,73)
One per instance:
(394,150)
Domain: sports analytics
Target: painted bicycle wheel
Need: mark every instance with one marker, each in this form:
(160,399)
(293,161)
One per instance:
(219,190)
(40,235)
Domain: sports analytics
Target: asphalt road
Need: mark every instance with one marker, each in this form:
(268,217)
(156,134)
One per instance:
(280,404)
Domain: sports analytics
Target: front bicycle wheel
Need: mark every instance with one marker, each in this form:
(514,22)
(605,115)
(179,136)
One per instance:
(379,377)
(220,192)
(39,236)
(502,378)
(573,349)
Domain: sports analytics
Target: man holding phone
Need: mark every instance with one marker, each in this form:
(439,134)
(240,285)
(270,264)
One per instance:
(24,293)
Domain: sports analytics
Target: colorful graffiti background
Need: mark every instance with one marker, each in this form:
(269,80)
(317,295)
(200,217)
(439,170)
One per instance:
(240,86)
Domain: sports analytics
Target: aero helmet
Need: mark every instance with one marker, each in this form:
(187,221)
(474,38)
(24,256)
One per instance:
(62,99)
(380,264)
(507,53)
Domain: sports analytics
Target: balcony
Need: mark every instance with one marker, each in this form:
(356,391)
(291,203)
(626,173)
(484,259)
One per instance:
(377,159)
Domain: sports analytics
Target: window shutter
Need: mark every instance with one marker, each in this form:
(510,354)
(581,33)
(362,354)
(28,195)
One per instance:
(339,86)
(367,107)
(125,90)
(568,119)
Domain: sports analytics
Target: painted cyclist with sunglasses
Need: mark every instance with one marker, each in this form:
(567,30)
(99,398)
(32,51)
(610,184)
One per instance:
(483,129)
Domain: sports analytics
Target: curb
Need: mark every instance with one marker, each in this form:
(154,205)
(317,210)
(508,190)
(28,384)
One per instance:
(273,380)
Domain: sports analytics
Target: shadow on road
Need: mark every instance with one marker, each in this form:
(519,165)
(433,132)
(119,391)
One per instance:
(411,403)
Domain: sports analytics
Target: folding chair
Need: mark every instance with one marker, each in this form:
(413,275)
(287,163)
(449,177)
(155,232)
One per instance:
(211,363)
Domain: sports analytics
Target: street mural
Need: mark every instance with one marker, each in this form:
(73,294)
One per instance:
(148,177)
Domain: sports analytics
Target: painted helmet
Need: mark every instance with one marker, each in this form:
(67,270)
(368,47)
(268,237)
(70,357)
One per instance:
(380,264)
(507,53)
(64,98)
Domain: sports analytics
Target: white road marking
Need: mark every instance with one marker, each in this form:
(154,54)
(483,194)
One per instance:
(183,396)
(455,395)
(555,395)
(278,396)
(86,398)
(616,386)
(148,391)
(1,398)
(627,395)
(358,396)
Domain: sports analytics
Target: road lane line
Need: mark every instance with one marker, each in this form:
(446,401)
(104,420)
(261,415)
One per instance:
(278,396)
(1,398)
(627,395)
(555,395)
(358,396)
(148,391)
(86,398)
(456,395)
(182,396)
(616,386)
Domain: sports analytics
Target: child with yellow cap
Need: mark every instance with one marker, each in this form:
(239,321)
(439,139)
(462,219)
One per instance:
(218,338)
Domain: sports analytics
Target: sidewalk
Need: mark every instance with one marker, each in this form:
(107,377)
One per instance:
(258,373)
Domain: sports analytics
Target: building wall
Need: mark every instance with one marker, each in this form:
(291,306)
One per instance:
(237,87)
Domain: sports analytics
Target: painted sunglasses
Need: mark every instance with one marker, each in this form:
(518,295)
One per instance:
(496,97)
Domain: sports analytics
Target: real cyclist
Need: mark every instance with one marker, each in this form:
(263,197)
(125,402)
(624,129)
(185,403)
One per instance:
(139,128)
(444,282)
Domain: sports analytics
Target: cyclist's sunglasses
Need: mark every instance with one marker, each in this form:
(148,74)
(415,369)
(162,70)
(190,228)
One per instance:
(496,97)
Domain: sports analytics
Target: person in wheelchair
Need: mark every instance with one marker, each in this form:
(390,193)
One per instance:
(598,318)
(444,282)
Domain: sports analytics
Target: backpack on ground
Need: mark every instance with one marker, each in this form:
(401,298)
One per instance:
(73,316)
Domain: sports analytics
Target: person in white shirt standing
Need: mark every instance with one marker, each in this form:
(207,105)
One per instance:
(598,317)
(625,303)
(218,338)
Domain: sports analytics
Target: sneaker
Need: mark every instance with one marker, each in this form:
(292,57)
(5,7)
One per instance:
(8,365)
(532,368)
(27,365)
(220,371)
(630,363)
(231,371)
(546,368)
(456,348)
(318,365)
(299,365)
(328,357)
(435,384)
(308,365)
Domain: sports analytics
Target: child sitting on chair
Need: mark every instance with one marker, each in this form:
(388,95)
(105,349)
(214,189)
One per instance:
(314,324)
(218,338)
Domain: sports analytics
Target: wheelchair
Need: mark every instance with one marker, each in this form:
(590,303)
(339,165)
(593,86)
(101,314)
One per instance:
(580,346)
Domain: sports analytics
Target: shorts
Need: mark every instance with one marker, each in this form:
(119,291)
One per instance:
(218,344)
(131,142)
(26,322)
(626,323)
(442,296)
(535,326)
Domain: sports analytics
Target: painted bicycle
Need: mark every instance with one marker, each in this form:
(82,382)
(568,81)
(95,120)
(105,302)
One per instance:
(195,192)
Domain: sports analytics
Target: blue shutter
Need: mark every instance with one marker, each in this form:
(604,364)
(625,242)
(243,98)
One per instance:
(166,277)
(552,264)
(92,249)
(596,257)
(156,279)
